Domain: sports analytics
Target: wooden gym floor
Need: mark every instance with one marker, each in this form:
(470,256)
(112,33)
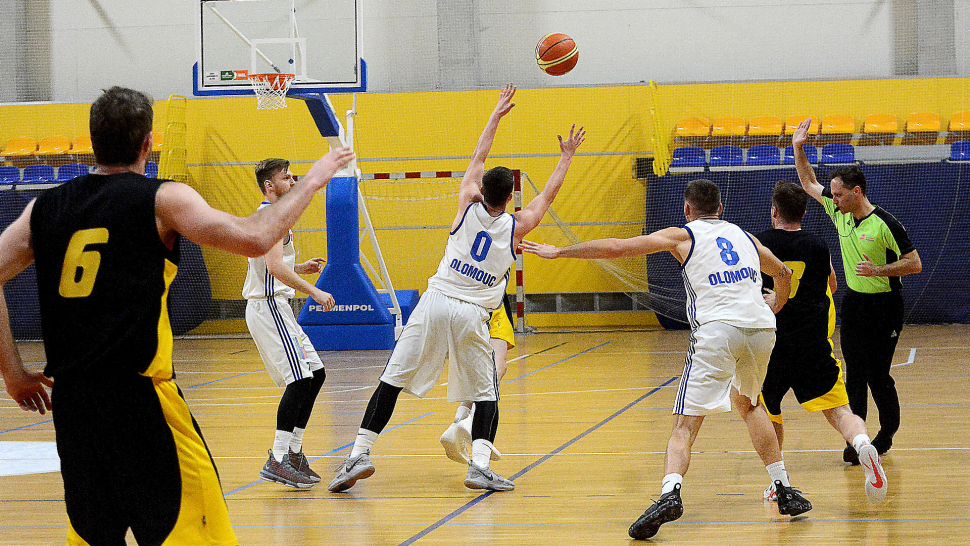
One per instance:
(585,419)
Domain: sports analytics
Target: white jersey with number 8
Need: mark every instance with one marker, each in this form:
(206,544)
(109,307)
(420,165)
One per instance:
(722,276)
(477,258)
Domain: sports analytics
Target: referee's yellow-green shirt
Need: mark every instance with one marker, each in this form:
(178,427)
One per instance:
(879,235)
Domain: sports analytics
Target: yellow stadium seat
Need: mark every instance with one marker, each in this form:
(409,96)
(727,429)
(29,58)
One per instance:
(959,127)
(82,146)
(879,129)
(694,131)
(922,128)
(729,130)
(157,139)
(53,145)
(764,130)
(792,123)
(837,128)
(20,147)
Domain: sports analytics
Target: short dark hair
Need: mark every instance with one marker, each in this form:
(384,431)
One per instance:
(851,176)
(497,184)
(120,120)
(703,195)
(790,200)
(267,169)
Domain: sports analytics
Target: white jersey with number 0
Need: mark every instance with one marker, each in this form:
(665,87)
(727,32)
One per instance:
(477,258)
(259,283)
(722,276)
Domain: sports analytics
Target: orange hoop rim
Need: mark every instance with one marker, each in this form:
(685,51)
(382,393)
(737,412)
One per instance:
(275,80)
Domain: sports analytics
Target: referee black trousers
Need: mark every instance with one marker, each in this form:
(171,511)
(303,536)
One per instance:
(870,328)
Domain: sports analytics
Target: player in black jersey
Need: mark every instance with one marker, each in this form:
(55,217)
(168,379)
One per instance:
(106,247)
(802,359)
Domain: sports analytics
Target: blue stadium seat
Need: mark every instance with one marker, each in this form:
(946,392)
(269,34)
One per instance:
(9,174)
(810,151)
(726,156)
(151,169)
(72,170)
(960,150)
(689,156)
(38,174)
(838,152)
(764,154)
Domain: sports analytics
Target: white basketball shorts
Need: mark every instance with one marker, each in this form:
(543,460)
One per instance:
(720,357)
(285,349)
(443,327)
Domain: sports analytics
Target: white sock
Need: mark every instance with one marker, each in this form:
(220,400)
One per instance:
(281,444)
(777,473)
(463,412)
(670,482)
(859,441)
(365,441)
(481,452)
(296,442)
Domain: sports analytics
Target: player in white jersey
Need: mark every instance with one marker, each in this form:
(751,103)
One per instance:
(287,353)
(451,318)
(732,334)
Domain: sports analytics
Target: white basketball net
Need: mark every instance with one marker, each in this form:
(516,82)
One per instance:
(270,90)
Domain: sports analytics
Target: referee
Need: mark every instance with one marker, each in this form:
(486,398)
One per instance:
(876,251)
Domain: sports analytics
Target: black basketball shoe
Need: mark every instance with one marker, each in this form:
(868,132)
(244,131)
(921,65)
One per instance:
(849,455)
(667,508)
(790,500)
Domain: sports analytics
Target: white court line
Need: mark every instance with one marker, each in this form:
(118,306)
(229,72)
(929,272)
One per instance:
(912,358)
(594,453)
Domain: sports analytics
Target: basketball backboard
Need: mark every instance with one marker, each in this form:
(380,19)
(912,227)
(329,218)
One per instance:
(317,40)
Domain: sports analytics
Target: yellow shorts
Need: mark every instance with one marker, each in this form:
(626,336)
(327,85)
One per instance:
(160,482)
(500,325)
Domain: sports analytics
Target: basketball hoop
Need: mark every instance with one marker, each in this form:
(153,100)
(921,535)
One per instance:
(270,89)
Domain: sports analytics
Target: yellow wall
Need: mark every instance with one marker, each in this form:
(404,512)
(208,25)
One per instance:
(443,125)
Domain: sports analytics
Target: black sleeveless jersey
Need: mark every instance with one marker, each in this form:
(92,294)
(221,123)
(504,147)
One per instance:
(103,275)
(806,315)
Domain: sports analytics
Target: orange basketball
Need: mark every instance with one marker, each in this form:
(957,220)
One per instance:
(556,54)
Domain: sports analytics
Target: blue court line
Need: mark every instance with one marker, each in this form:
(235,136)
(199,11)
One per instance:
(331,452)
(543,459)
(557,362)
(26,426)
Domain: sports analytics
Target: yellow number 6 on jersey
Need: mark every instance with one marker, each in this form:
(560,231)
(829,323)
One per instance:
(88,261)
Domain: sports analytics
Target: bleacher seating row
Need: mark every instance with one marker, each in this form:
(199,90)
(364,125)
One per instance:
(26,147)
(47,174)
(876,129)
(768,154)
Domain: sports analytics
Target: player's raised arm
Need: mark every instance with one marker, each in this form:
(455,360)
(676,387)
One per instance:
(659,241)
(528,218)
(806,174)
(470,189)
(180,209)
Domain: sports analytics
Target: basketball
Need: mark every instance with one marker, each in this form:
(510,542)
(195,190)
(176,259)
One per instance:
(556,54)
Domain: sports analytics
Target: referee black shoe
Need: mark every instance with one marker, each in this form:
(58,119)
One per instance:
(790,500)
(667,508)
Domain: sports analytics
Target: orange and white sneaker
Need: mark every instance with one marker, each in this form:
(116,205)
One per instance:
(876,482)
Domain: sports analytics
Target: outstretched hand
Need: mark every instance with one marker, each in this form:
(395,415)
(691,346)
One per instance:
(505,103)
(800,136)
(311,266)
(323,170)
(27,389)
(569,146)
(542,250)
